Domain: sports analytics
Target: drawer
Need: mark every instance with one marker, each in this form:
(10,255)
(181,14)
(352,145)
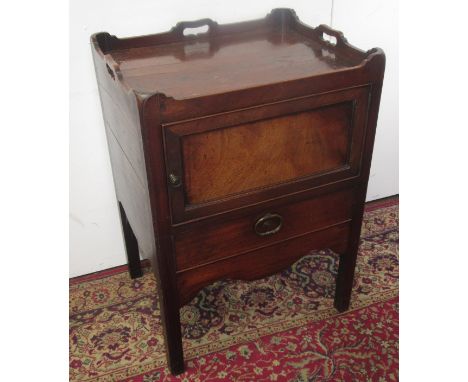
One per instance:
(263,261)
(230,160)
(208,241)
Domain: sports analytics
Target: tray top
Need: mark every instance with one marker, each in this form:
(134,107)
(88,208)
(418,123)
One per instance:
(227,58)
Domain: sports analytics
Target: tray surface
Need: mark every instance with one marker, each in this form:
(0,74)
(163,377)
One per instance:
(233,62)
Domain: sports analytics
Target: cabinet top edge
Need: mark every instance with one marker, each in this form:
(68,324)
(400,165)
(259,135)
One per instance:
(231,57)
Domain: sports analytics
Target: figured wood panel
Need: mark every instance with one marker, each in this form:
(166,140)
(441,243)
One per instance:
(200,243)
(236,159)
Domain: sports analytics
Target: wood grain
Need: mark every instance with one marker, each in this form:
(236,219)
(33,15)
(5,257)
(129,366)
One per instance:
(200,243)
(175,133)
(262,262)
(232,160)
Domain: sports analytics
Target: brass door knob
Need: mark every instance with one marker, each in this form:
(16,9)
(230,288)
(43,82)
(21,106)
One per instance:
(174,180)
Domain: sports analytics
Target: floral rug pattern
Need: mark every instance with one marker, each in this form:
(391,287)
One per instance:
(281,328)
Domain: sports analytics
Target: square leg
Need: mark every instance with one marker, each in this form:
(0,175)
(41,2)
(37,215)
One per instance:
(344,280)
(173,338)
(168,306)
(131,246)
(170,318)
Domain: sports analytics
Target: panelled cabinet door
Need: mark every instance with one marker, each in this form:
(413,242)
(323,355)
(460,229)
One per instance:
(225,161)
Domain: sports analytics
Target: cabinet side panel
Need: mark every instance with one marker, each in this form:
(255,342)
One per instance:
(133,196)
(122,123)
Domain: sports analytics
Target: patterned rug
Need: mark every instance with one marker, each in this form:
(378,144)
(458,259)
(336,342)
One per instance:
(281,328)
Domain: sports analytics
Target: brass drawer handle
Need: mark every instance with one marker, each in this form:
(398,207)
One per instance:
(268,224)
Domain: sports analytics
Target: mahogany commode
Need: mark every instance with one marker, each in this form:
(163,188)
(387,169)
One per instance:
(237,151)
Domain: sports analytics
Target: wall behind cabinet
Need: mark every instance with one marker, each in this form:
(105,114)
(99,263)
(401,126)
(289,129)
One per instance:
(367,24)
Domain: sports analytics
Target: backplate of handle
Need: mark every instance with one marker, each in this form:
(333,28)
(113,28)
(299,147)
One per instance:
(268,224)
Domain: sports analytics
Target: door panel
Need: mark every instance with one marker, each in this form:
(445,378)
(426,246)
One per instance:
(240,158)
(230,160)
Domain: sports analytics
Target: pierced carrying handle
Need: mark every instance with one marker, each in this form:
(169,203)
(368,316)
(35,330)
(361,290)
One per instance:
(323,30)
(185,25)
(113,68)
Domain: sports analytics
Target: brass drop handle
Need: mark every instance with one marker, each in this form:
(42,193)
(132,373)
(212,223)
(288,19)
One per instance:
(268,224)
(174,180)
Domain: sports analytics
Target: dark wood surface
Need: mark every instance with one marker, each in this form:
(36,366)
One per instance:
(226,58)
(237,151)
(205,242)
(223,162)
(352,122)
(131,246)
(121,112)
(263,261)
(238,61)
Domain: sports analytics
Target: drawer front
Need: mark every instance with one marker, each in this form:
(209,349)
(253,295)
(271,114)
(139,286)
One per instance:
(225,161)
(261,262)
(207,241)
